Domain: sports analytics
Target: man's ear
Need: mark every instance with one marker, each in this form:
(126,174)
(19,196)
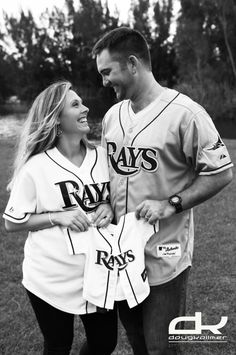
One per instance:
(133,63)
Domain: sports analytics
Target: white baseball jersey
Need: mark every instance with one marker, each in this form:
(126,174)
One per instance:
(154,154)
(114,266)
(50,182)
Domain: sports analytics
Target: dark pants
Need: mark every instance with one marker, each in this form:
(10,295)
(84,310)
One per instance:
(147,324)
(58,329)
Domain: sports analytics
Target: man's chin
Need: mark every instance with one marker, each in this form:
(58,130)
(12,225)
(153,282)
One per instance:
(119,96)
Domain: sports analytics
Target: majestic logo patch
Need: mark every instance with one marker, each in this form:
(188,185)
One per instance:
(130,160)
(88,197)
(110,261)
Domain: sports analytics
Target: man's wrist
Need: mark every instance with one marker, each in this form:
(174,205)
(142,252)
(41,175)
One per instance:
(176,202)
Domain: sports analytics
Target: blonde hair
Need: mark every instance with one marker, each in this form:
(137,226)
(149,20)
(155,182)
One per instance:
(39,131)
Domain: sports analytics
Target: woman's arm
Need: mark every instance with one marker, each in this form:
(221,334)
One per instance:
(73,219)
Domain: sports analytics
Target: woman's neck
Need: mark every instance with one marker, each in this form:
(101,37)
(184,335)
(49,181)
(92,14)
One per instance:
(72,149)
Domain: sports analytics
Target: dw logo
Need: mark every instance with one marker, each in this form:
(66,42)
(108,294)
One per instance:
(197,319)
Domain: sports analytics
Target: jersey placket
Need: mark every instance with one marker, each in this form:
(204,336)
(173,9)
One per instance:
(123,181)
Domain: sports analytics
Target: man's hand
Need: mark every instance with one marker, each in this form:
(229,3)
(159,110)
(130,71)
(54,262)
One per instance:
(153,210)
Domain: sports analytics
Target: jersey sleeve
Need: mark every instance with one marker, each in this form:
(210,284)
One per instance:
(147,230)
(22,201)
(141,227)
(203,147)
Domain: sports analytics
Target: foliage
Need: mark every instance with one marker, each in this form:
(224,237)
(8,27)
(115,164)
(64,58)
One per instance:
(200,58)
(7,66)
(206,52)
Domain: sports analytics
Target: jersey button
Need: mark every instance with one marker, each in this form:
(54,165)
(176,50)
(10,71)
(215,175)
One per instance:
(130,130)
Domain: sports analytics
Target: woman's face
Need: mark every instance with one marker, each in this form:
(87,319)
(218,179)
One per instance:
(73,118)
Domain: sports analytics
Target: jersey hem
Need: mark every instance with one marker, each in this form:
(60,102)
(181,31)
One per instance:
(172,276)
(64,309)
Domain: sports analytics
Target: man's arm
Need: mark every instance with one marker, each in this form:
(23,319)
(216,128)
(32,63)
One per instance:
(202,188)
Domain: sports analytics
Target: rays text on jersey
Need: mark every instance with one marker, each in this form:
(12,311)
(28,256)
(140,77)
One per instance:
(129,160)
(88,197)
(109,261)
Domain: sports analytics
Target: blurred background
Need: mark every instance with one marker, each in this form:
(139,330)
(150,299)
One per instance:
(193,49)
(192,45)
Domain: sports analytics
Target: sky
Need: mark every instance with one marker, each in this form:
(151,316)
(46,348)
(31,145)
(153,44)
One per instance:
(38,6)
(13,7)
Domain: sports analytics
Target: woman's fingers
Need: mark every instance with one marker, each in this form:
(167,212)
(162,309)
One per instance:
(80,222)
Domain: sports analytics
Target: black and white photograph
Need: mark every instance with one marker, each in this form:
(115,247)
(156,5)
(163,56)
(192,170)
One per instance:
(118,189)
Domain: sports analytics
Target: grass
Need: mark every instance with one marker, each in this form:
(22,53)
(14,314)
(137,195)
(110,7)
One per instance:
(211,285)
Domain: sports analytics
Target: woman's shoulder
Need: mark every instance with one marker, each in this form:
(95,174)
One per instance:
(36,162)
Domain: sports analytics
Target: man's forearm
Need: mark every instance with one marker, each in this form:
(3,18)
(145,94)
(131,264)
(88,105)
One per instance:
(204,187)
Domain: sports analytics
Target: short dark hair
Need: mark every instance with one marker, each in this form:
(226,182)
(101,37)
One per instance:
(123,42)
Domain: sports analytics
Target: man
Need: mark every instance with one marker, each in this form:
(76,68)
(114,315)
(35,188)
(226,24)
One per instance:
(165,157)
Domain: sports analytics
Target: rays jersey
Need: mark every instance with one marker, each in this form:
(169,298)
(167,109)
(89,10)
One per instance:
(154,154)
(114,265)
(50,182)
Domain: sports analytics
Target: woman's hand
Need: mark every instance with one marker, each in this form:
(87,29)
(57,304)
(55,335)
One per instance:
(103,215)
(73,219)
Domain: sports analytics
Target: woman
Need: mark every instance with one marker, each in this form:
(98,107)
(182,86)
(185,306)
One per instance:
(60,181)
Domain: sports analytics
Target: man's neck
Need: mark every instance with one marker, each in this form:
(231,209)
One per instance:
(146,93)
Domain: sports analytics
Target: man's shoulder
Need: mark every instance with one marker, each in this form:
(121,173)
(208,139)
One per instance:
(183,102)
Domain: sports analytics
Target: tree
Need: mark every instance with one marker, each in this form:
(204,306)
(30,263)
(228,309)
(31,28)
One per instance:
(162,49)
(206,37)
(8,73)
(206,52)
(154,23)
(141,18)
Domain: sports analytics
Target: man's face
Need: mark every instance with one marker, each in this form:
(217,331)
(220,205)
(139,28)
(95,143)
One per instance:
(115,74)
